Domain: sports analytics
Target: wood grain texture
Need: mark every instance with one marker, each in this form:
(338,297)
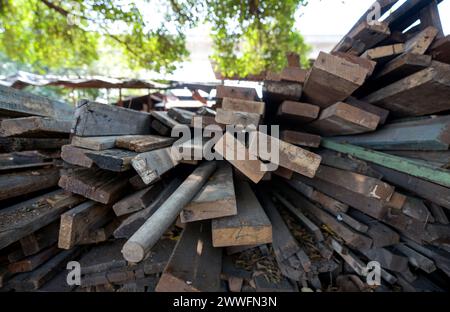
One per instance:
(36,127)
(143,143)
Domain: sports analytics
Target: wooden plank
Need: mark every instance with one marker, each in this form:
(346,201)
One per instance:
(289,156)
(27,144)
(380,112)
(250,226)
(114,159)
(387,259)
(369,35)
(282,90)
(300,138)
(36,127)
(416,209)
(98,185)
(361,61)
(15,102)
(440,50)
(76,156)
(358,183)
(232,104)
(295,74)
(420,43)
(332,79)
(227,146)
(202,272)
(216,198)
(438,176)
(298,111)
(24,182)
(440,158)
(344,119)
(416,259)
(18,160)
(139,245)
(152,165)
(95,119)
(438,214)
(30,263)
(382,54)
(99,235)
(77,221)
(248,94)
(422,93)
(95,143)
(429,16)
(160,128)
(41,239)
(237,118)
(417,135)
(143,143)
(181,115)
(137,201)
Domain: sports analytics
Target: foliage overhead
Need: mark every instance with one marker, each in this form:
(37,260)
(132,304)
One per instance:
(249,36)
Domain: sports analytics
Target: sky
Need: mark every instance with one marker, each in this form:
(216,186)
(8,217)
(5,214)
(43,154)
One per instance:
(322,22)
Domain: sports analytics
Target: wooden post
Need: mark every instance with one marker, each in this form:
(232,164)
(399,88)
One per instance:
(149,233)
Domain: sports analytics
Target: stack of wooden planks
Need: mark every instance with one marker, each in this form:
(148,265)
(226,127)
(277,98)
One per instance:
(355,176)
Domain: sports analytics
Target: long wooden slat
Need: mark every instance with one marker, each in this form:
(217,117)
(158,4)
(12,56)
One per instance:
(202,271)
(95,143)
(30,263)
(300,138)
(243,119)
(41,239)
(438,176)
(114,159)
(233,104)
(250,226)
(149,233)
(137,201)
(143,143)
(20,183)
(95,119)
(216,199)
(36,127)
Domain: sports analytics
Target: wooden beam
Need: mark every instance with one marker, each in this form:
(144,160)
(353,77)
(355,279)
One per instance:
(137,201)
(250,226)
(116,160)
(237,118)
(95,119)
(152,165)
(332,79)
(438,176)
(300,138)
(298,111)
(239,105)
(228,147)
(202,271)
(380,112)
(98,185)
(95,143)
(343,119)
(36,127)
(25,182)
(15,103)
(143,143)
(416,259)
(289,156)
(407,96)
(77,221)
(428,134)
(215,199)
(282,90)
(248,94)
(76,156)
(149,233)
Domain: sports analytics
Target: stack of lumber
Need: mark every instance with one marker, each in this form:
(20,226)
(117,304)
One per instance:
(357,174)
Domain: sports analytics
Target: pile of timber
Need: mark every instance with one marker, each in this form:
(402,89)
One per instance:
(361,179)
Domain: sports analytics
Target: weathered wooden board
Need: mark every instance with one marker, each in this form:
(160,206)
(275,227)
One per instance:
(389,260)
(76,156)
(95,143)
(416,259)
(417,135)
(332,79)
(413,168)
(23,160)
(295,74)
(99,235)
(233,104)
(41,239)
(78,221)
(181,115)
(361,61)
(143,143)
(36,127)
(341,119)
(14,102)
(425,92)
(25,218)
(420,43)
(114,159)
(385,53)
(237,118)
(29,144)
(24,182)
(216,199)
(202,271)
(282,90)
(95,119)
(138,200)
(300,138)
(151,165)
(289,156)
(298,111)
(248,94)
(250,226)
(98,185)
(30,263)
(227,146)
(380,112)
(440,50)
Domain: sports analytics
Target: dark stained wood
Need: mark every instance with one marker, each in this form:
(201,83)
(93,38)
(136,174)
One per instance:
(41,239)
(76,156)
(27,144)
(30,263)
(116,160)
(138,200)
(300,138)
(36,127)
(248,94)
(151,165)
(283,90)
(440,50)
(95,143)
